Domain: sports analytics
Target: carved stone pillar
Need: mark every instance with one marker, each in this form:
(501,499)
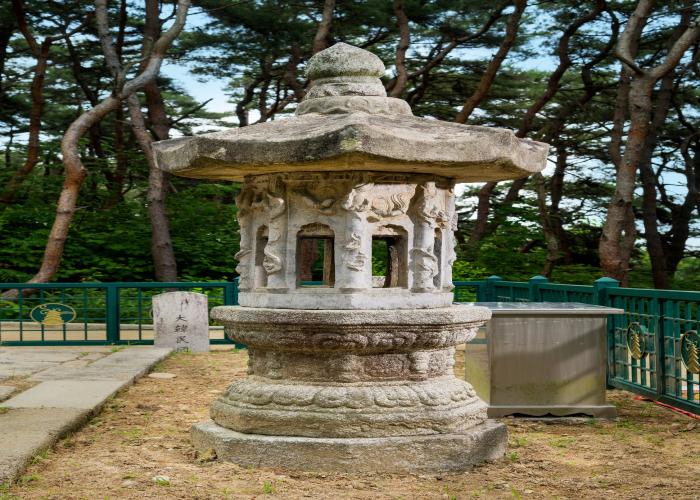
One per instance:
(275,249)
(244,256)
(425,263)
(355,258)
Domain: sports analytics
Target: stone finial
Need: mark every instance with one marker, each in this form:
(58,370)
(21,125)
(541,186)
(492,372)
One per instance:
(345,79)
(344,60)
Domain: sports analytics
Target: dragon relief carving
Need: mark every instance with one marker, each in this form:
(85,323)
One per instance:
(365,198)
(243,266)
(244,202)
(429,214)
(276,208)
(426,266)
(321,193)
(429,209)
(452,253)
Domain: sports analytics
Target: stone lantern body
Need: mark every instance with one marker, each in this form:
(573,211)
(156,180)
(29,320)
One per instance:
(348,371)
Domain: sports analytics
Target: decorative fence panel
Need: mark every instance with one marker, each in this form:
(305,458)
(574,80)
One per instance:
(554,292)
(654,348)
(511,291)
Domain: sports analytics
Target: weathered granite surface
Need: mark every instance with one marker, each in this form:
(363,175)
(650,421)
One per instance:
(344,374)
(435,453)
(346,123)
(347,374)
(181,321)
(414,214)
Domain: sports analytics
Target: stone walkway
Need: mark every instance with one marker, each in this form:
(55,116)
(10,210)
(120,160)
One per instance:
(54,390)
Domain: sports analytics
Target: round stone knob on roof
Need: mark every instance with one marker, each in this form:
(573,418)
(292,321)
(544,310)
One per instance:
(345,79)
(344,60)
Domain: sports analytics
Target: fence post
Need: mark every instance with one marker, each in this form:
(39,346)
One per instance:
(600,292)
(534,293)
(112,320)
(490,288)
(601,298)
(230,295)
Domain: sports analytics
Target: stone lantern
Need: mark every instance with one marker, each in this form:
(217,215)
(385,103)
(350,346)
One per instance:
(348,372)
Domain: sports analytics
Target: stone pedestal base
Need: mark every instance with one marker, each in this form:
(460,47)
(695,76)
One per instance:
(404,454)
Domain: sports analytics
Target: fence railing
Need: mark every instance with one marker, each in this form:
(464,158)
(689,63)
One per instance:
(653,349)
(94,313)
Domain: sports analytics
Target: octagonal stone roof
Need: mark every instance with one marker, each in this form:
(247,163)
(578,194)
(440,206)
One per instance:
(346,122)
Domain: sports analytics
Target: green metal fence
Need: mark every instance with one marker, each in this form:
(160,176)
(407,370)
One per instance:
(654,348)
(94,313)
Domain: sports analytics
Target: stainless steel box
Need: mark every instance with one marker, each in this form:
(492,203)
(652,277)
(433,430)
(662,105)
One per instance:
(542,358)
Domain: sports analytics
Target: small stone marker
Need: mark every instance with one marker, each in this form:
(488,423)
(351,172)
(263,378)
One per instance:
(161,375)
(181,321)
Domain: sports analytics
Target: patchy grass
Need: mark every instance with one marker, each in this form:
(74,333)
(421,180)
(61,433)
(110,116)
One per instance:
(143,434)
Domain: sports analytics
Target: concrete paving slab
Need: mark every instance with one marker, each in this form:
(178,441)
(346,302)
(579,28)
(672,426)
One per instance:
(93,356)
(80,394)
(5,391)
(135,352)
(87,373)
(8,370)
(26,366)
(136,359)
(27,432)
(69,391)
(76,363)
(39,354)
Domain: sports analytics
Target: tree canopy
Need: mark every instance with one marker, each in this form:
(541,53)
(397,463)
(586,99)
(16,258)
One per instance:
(613,86)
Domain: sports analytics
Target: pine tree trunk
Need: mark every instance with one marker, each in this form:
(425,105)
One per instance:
(655,245)
(619,231)
(164,262)
(74,174)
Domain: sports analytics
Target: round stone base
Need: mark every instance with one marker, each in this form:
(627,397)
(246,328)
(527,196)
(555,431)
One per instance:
(404,454)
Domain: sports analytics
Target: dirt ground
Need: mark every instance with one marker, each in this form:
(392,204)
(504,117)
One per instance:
(138,447)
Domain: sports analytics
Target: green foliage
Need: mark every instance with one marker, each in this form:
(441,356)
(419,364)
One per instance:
(259,48)
(688,275)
